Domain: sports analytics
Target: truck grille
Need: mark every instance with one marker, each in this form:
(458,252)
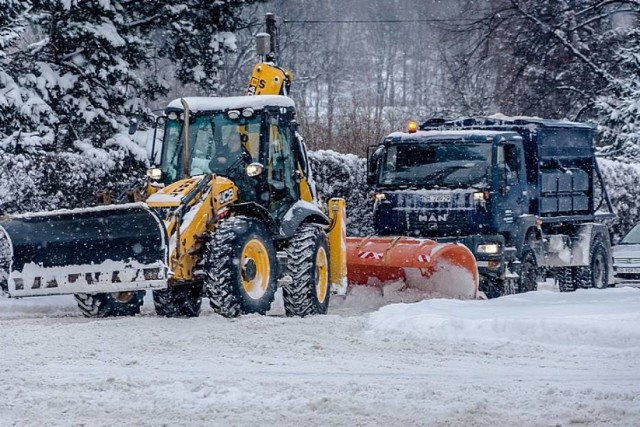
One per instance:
(627,261)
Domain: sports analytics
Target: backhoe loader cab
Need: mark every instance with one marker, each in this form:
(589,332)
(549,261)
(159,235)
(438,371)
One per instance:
(250,140)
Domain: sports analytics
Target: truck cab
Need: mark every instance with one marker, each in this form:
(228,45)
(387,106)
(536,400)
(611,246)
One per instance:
(518,192)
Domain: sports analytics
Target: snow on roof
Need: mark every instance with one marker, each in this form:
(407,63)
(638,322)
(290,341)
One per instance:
(257,102)
(500,119)
(451,134)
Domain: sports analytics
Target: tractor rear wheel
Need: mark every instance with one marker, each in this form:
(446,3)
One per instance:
(179,301)
(241,268)
(308,265)
(110,304)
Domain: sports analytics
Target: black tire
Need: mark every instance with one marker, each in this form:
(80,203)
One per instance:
(595,275)
(527,282)
(309,290)
(565,279)
(114,304)
(241,268)
(180,301)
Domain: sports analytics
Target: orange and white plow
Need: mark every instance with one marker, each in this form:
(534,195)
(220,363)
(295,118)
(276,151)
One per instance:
(441,269)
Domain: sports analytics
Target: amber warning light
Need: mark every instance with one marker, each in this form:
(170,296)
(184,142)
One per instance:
(412,127)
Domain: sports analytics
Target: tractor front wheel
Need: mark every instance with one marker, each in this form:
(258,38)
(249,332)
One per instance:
(241,268)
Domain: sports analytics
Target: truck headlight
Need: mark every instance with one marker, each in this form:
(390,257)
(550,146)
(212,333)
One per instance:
(488,248)
(155,174)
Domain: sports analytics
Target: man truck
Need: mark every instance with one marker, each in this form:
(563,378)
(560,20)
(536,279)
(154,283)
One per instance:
(525,195)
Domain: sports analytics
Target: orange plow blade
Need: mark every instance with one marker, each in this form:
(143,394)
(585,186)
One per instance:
(444,269)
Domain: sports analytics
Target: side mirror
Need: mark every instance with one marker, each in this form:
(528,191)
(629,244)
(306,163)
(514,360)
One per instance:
(372,165)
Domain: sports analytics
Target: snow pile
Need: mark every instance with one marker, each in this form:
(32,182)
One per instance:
(43,180)
(599,318)
(344,175)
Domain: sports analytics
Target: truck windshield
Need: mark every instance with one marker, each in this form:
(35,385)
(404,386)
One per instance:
(437,164)
(216,145)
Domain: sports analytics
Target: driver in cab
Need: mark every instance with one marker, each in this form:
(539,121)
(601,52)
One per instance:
(231,159)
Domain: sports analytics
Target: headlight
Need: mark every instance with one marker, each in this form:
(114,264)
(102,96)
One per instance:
(380,196)
(488,248)
(154,174)
(254,169)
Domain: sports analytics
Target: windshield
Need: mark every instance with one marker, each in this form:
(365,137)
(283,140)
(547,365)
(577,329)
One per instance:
(216,145)
(632,237)
(448,165)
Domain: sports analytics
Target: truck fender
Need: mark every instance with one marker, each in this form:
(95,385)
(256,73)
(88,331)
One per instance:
(586,234)
(299,213)
(524,224)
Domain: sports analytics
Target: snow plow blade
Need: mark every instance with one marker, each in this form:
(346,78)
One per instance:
(104,249)
(444,269)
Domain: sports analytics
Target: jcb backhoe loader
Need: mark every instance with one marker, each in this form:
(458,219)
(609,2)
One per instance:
(232,209)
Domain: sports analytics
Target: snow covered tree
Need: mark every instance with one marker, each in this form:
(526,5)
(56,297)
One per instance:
(192,35)
(620,108)
(553,58)
(70,81)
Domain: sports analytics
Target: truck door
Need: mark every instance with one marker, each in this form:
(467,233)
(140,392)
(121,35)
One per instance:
(510,186)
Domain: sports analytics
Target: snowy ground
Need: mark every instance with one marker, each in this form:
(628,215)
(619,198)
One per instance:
(540,359)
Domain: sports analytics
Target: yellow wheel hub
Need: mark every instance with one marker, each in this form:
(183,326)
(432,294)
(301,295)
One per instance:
(255,269)
(322,275)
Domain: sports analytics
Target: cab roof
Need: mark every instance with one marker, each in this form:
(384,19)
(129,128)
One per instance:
(257,102)
(500,120)
(465,135)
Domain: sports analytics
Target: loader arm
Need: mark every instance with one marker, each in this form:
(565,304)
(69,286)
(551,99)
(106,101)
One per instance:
(190,208)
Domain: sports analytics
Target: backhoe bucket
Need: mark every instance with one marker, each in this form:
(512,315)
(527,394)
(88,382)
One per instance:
(441,269)
(104,249)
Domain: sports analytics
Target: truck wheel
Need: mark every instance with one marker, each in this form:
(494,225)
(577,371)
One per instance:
(240,268)
(110,304)
(308,265)
(528,271)
(179,301)
(595,275)
(564,278)
(494,288)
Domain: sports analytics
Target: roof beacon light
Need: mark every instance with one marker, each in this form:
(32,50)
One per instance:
(412,127)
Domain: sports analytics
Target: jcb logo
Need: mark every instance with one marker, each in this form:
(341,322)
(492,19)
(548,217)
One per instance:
(226,196)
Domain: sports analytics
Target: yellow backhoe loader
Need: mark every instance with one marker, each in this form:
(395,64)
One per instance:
(231,209)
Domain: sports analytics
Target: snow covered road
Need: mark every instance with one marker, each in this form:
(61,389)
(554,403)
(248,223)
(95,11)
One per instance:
(540,359)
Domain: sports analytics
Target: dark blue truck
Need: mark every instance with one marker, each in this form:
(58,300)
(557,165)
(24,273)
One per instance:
(525,195)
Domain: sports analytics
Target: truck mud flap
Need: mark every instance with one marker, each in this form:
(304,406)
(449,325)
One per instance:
(104,249)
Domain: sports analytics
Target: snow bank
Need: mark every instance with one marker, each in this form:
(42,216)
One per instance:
(344,175)
(598,318)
